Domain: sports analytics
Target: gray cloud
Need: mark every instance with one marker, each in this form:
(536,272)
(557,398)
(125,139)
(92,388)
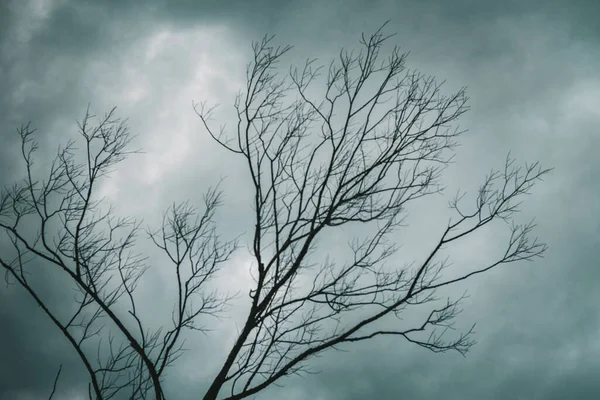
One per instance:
(534,88)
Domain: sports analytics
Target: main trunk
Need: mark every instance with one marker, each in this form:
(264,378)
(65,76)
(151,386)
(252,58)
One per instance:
(219,381)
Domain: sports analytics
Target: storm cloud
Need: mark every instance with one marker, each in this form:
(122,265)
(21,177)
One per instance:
(530,67)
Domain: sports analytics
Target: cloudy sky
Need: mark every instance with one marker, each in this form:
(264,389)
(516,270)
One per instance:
(531,71)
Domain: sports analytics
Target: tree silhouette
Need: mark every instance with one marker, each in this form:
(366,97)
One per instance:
(349,145)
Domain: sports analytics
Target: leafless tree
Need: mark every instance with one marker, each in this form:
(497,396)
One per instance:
(352,144)
(92,249)
(356,153)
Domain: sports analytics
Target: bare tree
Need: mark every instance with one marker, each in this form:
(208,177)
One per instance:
(92,249)
(354,152)
(357,153)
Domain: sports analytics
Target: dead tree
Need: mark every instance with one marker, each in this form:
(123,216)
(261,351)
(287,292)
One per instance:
(57,223)
(357,153)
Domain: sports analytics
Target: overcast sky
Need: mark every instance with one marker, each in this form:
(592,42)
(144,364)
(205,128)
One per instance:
(531,68)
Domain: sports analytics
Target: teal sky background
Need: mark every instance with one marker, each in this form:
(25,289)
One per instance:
(531,69)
